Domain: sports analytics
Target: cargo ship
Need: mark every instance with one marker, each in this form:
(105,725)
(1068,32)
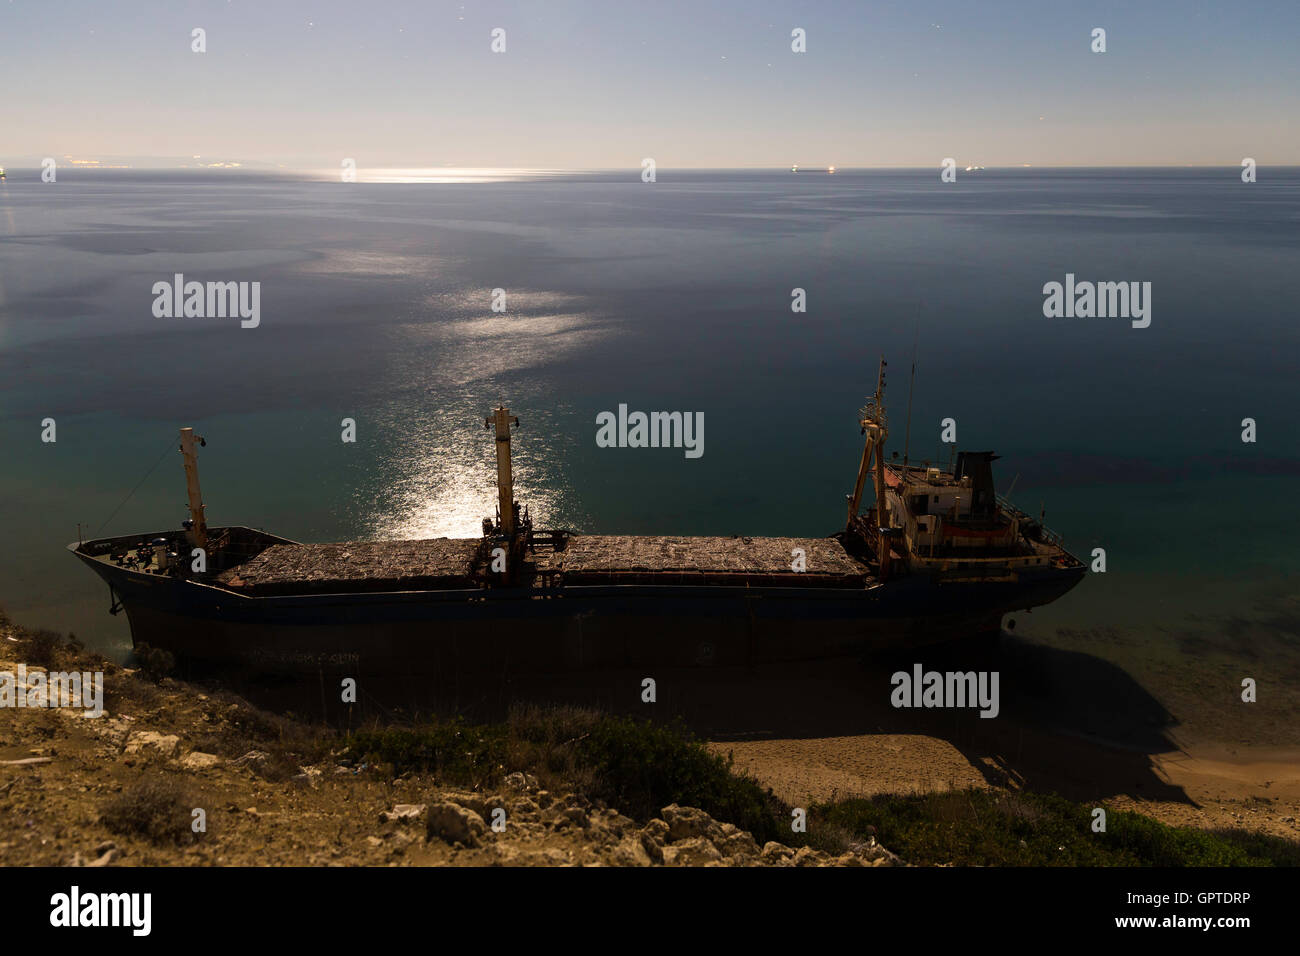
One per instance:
(931,555)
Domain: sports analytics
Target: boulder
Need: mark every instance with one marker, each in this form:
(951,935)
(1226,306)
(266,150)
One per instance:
(403,811)
(685,823)
(774,854)
(693,851)
(198,760)
(630,851)
(452,823)
(807,856)
(653,836)
(142,741)
(735,842)
(520,782)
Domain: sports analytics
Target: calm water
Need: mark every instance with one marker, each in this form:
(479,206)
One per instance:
(375,305)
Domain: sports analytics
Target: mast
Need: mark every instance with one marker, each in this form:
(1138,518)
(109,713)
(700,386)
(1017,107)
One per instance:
(198,533)
(502,420)
(907,432)
(875,427)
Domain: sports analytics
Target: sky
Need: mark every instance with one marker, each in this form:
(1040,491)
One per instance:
(602,84)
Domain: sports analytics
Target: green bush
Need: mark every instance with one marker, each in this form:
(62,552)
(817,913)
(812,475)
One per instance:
(641,767)
(457,752)
(636,766)
(991,828)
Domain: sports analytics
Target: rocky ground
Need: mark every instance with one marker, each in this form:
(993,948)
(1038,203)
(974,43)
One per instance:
(170,775)
(124,788)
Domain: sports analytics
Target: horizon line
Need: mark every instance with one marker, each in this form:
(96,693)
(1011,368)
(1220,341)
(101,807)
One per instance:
(119,163)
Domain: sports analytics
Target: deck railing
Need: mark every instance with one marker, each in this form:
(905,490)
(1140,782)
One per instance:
(1046,534)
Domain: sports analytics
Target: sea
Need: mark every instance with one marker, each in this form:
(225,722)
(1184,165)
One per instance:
(762,300)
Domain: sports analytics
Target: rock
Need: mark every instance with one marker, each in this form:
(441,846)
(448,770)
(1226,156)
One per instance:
(520,782)
(807,856)
(306,778)
(774,853)
(687,822)
(611,823)
(630,851)
(577,815)
(452,823)
(656,830)
(505,854)
(198,760)
(873,854)
(693,851)
(107,858)
(254,759)
(144,740)
(735,842)
(653,836)
(374,841)
(403,811)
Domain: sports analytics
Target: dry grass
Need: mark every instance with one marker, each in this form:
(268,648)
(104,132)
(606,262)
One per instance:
(156,807)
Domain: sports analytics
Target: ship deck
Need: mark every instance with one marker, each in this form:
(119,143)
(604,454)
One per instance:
(451,563)
(592,559)
(429,564)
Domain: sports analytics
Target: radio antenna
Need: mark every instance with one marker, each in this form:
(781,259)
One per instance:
(907,433)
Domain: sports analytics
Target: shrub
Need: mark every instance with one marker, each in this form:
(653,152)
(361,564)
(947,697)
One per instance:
(990,828)
(155,663)
(636,766)
(641,767)
(155,808)
(43,648)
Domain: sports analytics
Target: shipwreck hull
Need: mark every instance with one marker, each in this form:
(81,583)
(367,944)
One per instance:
(432,634)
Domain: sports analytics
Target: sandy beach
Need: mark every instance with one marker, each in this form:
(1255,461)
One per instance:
(1166,735)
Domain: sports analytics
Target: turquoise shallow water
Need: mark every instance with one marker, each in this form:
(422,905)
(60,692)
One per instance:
(674,296)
